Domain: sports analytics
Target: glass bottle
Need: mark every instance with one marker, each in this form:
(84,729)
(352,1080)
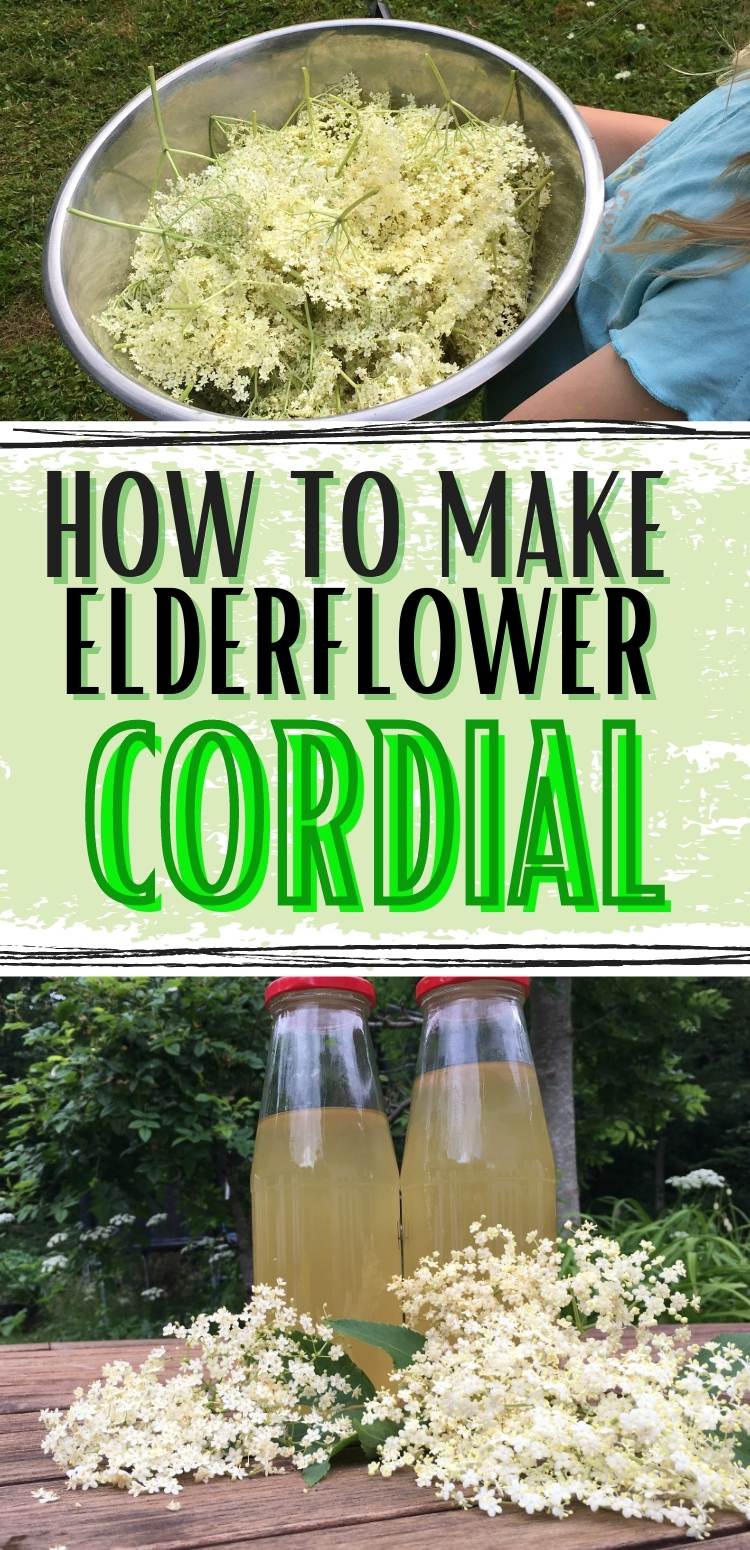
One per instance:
(477,1142)
(324,1183)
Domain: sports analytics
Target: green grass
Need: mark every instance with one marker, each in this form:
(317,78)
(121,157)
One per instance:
(65,68)
(709,1235)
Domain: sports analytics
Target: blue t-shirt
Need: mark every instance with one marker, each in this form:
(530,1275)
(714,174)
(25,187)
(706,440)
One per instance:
(687,341)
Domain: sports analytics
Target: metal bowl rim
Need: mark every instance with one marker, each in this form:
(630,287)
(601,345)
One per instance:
(159,406)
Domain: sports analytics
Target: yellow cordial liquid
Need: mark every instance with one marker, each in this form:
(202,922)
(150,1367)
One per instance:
(477,1145)
(325,1199)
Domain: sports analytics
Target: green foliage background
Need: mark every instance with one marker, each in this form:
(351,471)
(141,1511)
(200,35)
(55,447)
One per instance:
(140,1096)
(65,69)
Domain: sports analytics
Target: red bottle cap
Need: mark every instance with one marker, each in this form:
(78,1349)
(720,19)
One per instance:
(292,982)
(426,985)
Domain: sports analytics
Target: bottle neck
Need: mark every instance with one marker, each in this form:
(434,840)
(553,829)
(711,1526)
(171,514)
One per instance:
(320,1055)
(464,1027)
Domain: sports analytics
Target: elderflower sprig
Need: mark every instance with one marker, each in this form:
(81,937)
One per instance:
(509,1402)
(280,278)
(266,1386)
(518,1388)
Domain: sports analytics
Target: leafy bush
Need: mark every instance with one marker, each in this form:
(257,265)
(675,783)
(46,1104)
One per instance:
(113,1281)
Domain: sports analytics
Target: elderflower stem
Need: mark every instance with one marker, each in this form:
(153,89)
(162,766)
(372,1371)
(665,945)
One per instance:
(449,103)
(307,97)
(160,123)
(509,97)
(370,194)
(351,148)
(534,192)
(311,331)
(106,220)
(193,306)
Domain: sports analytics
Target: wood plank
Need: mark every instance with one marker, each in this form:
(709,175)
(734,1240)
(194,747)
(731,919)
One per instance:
(452,1533)
(71,1353)
(48,1381)
(349,1506)
(21,1457)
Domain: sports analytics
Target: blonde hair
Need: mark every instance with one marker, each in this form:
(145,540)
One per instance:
(730,229)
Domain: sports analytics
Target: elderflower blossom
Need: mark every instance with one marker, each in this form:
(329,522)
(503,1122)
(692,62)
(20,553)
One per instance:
(97,1234)
(249,1399)
(355,256)
(157,1219)
(56,1239)
(700,1178)
(510,1403)
(511,1400)
(52,1263)
(221,1255)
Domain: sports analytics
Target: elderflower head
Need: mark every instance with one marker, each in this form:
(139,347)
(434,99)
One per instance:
(700,1178)
(355,256)
(249,1399)
(509,1402)
(98,1234)
(157,1218)
(52,1263)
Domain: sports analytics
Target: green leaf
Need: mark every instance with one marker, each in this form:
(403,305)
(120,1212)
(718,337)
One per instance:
(741,1340)
(742,1448)
(373,1434)
(400,1342)
(343,1366)
(316,1472)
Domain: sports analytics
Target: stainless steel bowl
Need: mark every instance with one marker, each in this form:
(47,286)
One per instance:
(85,263)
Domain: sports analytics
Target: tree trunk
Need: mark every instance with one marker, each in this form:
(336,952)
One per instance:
(552,1044)
(660,1168)
(237,1183)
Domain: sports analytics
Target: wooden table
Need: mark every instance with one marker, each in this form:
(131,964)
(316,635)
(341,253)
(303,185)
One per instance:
(347,1509)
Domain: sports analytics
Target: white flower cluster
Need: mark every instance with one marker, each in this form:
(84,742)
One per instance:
(511,1400)
(53,1262)
(222,1255)
(700,1178)
(508,1402)
(357,255)
(250,1399)
(107,1230)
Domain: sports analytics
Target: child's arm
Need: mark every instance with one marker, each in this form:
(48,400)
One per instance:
(600,388)
(618,135)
